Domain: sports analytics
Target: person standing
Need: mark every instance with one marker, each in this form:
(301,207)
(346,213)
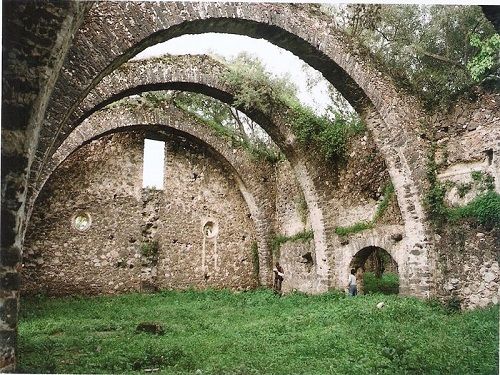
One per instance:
(351,284)
(278,277)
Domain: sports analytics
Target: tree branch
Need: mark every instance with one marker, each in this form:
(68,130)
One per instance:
(440,58)
(241,128)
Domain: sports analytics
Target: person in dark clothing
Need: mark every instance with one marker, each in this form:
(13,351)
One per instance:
(278,277)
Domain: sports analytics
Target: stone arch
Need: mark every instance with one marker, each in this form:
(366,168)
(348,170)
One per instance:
(390,238)
(393,117)
(90,58)
(360,259)
(252,181)
(287,26)
(204,75)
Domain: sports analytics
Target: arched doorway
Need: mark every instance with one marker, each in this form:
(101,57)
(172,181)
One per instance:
(376,271)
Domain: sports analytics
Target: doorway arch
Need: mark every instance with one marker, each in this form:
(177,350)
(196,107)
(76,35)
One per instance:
(376,271)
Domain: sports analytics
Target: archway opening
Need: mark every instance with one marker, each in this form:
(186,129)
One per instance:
(376,271)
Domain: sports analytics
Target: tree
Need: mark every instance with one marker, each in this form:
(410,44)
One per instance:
(426,49)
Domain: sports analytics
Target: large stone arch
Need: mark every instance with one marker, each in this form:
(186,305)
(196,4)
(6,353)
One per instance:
(253,181)
(205,75)
(393,118)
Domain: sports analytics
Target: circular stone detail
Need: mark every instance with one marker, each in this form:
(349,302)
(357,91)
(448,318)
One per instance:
(81,221)
(210,229)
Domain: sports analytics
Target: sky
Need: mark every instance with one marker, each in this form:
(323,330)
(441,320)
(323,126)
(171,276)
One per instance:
(276,60)
(154,159)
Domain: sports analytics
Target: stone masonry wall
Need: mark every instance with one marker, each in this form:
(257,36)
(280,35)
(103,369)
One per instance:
(468,265)
(353,190)
(468,161)
(104,179)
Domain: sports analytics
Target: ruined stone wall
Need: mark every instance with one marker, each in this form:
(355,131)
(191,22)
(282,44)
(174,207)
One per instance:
(104,179)
(292,214)
(352,190)
(468,141)
(467,269)
(468,162)
(296,256)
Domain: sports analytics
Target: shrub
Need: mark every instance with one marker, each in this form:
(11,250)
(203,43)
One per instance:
(387,284)
(358,227)
(485,209)
(149,249)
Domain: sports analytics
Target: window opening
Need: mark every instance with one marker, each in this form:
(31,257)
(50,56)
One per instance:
(154,164)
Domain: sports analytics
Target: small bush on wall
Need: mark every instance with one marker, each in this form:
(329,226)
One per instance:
(149,249)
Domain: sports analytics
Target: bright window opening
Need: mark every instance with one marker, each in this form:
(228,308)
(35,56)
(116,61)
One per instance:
(154,163)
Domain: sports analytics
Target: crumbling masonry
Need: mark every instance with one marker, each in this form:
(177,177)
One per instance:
(72,198)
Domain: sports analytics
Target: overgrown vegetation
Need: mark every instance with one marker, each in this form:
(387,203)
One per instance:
(363,225)
(256,146)
(483,209)
(149,249)
(331,135)
(483,181)
(219,332)
(304,236)
(255,88)
(434,198)
(388,283)
(436,52)
(355,228)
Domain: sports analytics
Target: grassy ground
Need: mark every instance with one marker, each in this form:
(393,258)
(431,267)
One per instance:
(387,284)
(255,333)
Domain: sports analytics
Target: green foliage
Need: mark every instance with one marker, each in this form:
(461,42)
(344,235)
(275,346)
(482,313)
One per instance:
(219,332)
(384,203)
(302,208)
(260,151)
(254,87)
(304,236)
(463,189)
(431,51)
(387,284)
(363,225)
(216,115)
(257,89)
(355,228)
(149,249)
(487,59)
(485,209)
(331,136)
(255,261)
(434,198)
(485,181)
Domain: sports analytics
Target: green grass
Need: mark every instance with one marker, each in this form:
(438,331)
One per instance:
(219,332)
(387,284)
(355,228)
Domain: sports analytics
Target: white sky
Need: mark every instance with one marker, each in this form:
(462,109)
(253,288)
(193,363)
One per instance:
(153,166)
(275,59)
